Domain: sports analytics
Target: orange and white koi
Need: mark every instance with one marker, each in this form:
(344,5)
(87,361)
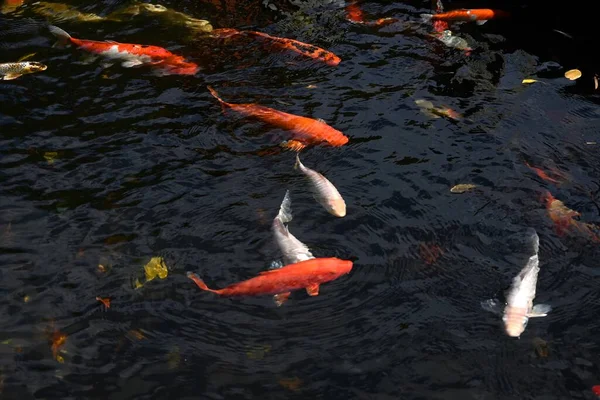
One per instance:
(323,190)
(309,275)
(519,302)
(480,16)
(305,131)
(131,55)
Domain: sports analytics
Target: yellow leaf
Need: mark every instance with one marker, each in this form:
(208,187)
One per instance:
(137,284)
(50,156)
(573,74)
(463,187)
(156,267)
(529,81)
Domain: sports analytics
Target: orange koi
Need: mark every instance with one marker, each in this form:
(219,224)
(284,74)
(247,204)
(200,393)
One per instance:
(479,15)
(308,274)
(563,218)
(305,49)
(305,130)
(131,55)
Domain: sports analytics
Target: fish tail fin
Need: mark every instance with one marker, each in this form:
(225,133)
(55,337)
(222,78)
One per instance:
(63,38)
(297,163)
(285,210)
(426,17)
(199,282)
(224,104)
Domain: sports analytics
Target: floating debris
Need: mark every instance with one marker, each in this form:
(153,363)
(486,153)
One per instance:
(541,347)
(156,267)
(527,81)
(573,74)
(58,341)
(462,188)
(258,352)
(292,384)
(104,300)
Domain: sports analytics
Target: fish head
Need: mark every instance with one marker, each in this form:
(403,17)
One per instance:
(153,8)
(335,268)
(337,207)
(331,59)
(34,66)
(515,321)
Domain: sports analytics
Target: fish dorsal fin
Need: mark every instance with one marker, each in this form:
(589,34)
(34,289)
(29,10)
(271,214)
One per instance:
(267,272)
(111,41)
(321,120)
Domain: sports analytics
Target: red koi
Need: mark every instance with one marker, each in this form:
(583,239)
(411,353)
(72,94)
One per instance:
(481,15)
(596,390)
(305,49)
(305,130)
(131,54)
(307,275)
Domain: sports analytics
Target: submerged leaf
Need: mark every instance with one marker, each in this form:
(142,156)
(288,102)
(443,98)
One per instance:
(573,74)
(292,384)
(463,187)
(526,81)
(258,352)
(50,156)
(156,267)
(58,341)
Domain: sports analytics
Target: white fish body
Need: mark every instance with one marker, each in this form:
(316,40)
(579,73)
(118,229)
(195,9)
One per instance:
(519,301)
(323,190)
(292,249)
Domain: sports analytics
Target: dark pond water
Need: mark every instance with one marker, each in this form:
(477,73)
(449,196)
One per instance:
(103,168)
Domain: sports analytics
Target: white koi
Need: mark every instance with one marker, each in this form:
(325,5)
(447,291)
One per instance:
(323,190)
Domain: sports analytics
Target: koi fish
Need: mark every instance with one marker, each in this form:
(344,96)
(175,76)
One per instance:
(439,26)
(543,175)
(9,71)
(305,130)
(563,218)
(167,15)
(9,6)
(58,12)
(355,15)
(480,16)
(432,111)
(323,190)
(292,249)
(131,55)
(309,275)
(305,49)
(519,303)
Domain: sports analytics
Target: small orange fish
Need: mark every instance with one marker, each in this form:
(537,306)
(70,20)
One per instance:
(58,341)
(307,275)
(430,252)
(305,130)
(104,300)
(539,172)
(480,15)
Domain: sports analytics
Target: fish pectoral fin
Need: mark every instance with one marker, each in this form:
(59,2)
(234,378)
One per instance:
(131,63)
(281,298)
(10,77)
(492,305)
(312,290)
(481,22)
(539,310)
(294,145)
